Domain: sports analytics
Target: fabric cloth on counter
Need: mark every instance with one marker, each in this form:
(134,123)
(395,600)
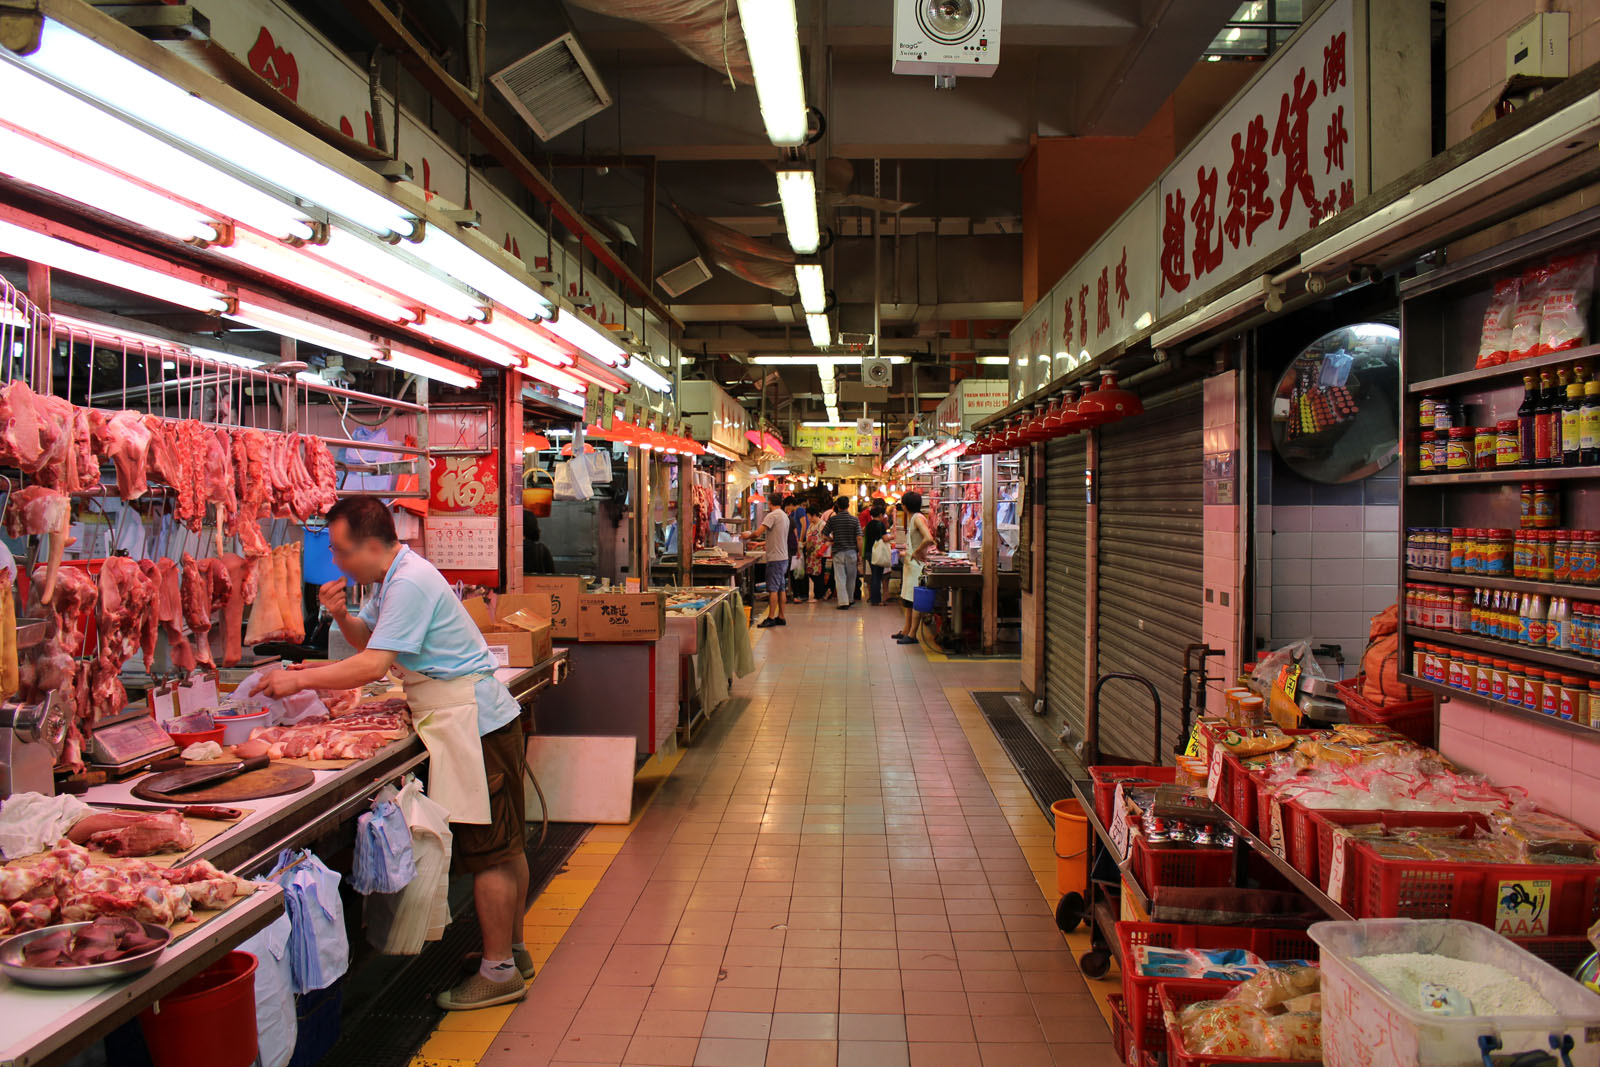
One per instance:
(710,672)
(319,950)
(734,632)
(33,822)
(276,1028)
(384,862)
(399,924)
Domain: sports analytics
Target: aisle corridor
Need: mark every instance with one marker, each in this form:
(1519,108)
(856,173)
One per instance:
(826,877)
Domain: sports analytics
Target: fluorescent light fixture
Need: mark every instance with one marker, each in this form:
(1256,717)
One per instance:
(641,370)
(813,294)
(920,449)
(294,266)
(525,337)
(821,334)
(123,85)
(773,41)
(797,192)
(1221,310)
(473,267)
(227,357)
(41,164)
(576,400)
(818,360)
(75,259)
(834,425)
(995,361)
(578,330)
(448,374)
(543,372)
(264,318)
(468,339)
(35,106)
(379,265)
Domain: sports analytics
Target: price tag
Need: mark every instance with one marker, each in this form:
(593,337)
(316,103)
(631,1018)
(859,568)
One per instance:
(1120,831)
(1336,864)
(1214,772)
(501,654)
(1192,750)
(1276,838)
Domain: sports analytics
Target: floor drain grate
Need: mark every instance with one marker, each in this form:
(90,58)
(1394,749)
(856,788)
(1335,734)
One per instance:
(1044,777)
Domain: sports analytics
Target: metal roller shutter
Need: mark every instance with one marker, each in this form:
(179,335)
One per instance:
(1152,534)
(1065,545)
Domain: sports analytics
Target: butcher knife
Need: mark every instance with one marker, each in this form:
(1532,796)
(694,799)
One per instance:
(194,777)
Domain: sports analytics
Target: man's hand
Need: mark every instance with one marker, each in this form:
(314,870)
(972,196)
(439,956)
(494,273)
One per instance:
(282,683)
(331,594)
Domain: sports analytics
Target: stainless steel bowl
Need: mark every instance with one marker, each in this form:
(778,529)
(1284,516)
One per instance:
(12,967)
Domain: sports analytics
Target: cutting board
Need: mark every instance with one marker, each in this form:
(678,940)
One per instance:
(273,781)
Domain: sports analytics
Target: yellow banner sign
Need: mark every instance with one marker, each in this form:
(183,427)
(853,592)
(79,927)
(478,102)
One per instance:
(836,440)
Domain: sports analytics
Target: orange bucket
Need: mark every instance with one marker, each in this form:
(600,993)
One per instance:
(537,498)
(210,1021)
(1072,847)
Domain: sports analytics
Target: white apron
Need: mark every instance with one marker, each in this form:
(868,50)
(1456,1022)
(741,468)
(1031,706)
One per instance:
(445,714)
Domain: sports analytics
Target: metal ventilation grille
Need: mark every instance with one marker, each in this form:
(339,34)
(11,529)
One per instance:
(684,276)
(553,88)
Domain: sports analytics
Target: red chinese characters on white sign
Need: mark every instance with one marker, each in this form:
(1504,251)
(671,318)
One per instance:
(1279,163)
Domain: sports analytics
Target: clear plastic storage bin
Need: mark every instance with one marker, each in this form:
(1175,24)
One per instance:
(1363,1025)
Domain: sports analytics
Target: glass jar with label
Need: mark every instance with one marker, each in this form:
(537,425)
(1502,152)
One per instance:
(1591,710)
(1461,611)
(1589,559)
(1425,413)
(1458,449)
(1561,566)
(1546,509)
(1497,679)
(1546,559)
(1425,452)
(1550,697)
(1508,445)
(1484,683)
(1526,502)
(1516,682)
(1573,691)
(1533,689)
(1484,443)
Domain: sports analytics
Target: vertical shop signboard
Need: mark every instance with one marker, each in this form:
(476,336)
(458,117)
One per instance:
(462,530)
(1284,157)
(1109,295)
(1030,350)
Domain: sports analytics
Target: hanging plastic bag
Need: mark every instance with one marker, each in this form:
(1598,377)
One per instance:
(572,480)
(276,1025)
(319,950)
(598,463)
(399,924)
(1282,674)
(882,554)
(384,862)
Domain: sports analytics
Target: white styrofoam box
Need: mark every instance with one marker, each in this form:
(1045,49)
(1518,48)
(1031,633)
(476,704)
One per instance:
(1364,1025)
(584,779)
(1540,47)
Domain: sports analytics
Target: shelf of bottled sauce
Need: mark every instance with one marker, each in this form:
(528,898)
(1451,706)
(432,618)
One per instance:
(1556,427)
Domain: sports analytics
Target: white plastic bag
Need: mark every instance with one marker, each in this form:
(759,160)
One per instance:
(399,924)
(882,554)
(276,1025)
(572,480)
(599,465)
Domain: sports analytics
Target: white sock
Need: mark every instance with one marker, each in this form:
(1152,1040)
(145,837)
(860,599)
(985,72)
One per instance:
(498,970)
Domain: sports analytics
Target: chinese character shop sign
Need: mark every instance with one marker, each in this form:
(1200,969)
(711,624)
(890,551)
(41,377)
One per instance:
(1109,294)
(1278,162)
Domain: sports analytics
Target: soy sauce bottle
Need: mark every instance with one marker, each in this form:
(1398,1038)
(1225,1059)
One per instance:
(1527,421)
(1546,424)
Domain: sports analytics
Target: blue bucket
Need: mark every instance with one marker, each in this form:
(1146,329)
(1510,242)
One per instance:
(317,566)
(922,598)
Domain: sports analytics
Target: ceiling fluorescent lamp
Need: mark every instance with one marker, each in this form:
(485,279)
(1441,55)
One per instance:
(819,360)
(813,294)
(525,337)
(641,370)
(445,374)
(123,85)
(381,265)
(264,318)
(1225,308)
(821,335)
(1452,200)
(468,339)
(570,398)
(995,361)
(920,449)
(35,106)
(797,192)
(473,267)
(578,330)
(834,425)
(543,372)
(773,41)
(42,164)
(291,265)
(75,259)
(227,357)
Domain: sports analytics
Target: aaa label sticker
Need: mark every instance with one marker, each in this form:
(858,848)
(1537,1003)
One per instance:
(1522,909)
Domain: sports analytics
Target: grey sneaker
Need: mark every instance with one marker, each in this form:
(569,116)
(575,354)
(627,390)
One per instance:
(524,961)
(476,991)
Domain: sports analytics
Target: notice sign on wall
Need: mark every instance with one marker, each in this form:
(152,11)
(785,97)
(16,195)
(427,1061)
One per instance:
(462,530)
(463,542)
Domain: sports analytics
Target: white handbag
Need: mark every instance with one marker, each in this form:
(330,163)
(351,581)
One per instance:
(882,554)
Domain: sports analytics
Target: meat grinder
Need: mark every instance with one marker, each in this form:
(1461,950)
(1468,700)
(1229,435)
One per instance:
(31,736)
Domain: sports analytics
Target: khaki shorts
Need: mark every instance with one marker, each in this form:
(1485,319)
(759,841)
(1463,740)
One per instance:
(478,847)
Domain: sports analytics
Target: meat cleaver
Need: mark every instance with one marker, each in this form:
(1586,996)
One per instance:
(169,782)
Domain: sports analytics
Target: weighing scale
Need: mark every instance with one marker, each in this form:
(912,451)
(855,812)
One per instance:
(129,743)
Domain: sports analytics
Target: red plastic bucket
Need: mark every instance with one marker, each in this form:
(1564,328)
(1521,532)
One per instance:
(209,1021)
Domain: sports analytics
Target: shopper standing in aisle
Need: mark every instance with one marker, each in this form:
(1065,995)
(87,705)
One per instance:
(845,531)
(919,543)
(819,559)
(876,532)
(469,722)
(799,526)
(774,535)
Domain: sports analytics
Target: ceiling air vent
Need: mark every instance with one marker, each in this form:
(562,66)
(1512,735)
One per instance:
(684,276)
(553,88)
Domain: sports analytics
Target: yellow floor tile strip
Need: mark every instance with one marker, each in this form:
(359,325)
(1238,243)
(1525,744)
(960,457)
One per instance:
(463,1037)
(1031,827)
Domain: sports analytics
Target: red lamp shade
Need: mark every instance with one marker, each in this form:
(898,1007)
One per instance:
(1071,418)
(536,440)
(1108,403)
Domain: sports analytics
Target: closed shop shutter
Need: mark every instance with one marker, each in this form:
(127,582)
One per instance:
(1150,570)
(1065,541)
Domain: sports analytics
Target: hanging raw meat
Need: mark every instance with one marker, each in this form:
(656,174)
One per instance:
(124,438)
(19,426)
(250,452)
(195,592)
(166,463)
(241,591)
(193,443)
(36,510)
(216,474)
(324,475)
(51,667)
(9,679)
(279,613)
(126,623)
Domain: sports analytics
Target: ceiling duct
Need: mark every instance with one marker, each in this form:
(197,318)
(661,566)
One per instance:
(554,87)
(758,262)
(707,31)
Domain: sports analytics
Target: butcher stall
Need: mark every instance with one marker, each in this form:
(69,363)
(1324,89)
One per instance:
(163,510)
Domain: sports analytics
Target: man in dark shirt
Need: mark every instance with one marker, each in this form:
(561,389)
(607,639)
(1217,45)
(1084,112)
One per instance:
(846,533)
(876,530)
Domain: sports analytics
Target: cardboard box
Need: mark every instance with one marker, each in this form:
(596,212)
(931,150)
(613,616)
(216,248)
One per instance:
(622,616)
(512,644)
(537,627)
(560,603)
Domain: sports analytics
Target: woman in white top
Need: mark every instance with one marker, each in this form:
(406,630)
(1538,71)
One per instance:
(919,543)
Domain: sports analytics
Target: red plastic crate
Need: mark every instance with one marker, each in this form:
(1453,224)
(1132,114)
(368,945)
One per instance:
(1413,718)
(1144,1006)
(1411,889)
(1157,865)
(1106,780)
(1121,1035)
(1322,823)
(1177,995)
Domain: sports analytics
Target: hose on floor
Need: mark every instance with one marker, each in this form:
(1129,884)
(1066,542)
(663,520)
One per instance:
(544,810)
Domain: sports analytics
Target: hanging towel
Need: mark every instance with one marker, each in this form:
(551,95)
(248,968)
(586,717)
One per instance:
(319,950)
(276,1028)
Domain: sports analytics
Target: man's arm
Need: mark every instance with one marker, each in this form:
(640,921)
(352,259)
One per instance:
(357,670)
